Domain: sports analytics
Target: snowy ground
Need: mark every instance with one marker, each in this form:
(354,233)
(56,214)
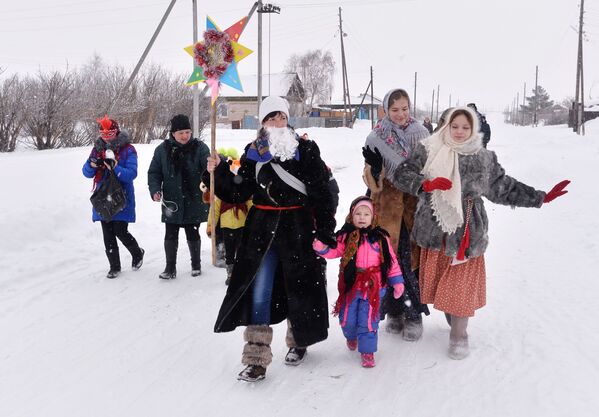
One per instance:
(75,344)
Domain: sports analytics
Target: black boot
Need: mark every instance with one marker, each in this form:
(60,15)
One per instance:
(194,250)
(115,263)
(170,249)
(137,259)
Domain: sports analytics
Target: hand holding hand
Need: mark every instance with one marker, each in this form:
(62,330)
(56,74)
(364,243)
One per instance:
(397,290)
(213,161)
(157,197)
(439,183)
(556,191)
(374,159)
(327,238)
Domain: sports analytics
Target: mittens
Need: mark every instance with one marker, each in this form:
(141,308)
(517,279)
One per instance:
(374,159)
(327,239)
(397,290)
(438,183)
(556,191)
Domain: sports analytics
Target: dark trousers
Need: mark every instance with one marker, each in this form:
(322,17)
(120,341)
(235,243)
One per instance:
(232,239)
(191,231)
(118,229)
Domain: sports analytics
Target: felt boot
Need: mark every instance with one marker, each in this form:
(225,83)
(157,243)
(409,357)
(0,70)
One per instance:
(195,247)
(458,338)
(170,250)
(114,259)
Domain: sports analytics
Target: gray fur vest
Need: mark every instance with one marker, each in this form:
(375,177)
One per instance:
(482,176)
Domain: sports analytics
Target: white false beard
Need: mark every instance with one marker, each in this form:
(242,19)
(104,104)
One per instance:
(282,142)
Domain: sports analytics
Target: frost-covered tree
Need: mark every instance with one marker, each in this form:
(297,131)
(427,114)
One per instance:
(51,114)
(12,112)
(315,69)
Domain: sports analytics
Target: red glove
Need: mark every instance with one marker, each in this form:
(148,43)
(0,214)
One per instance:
(556,191)
(438,183)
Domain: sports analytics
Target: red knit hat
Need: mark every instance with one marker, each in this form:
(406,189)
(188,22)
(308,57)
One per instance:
(109,128)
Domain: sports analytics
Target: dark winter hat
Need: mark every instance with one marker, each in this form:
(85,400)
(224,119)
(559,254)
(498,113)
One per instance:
(472,106)
(180,122)
(109,128)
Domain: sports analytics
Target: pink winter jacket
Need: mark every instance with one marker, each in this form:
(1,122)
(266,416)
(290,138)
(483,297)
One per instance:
(368,255)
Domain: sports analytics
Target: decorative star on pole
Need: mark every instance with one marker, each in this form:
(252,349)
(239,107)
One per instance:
(216,57)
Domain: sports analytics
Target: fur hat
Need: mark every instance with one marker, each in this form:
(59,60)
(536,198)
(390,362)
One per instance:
(272,104)
(180,122)
(109,128)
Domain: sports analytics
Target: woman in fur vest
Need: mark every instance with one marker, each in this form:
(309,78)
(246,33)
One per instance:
(276,275)
(394,139)
(113,151)
(450,172)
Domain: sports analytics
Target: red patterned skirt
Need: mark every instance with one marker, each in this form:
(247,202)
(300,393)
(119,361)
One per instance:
(458,290)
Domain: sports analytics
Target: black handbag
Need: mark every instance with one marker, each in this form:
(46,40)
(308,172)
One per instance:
(109,199)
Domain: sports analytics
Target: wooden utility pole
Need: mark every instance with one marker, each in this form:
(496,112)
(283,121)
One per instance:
(432,105)
(195,117)
(438,87)
(259,91)
(346,100)
(415,85)
(143,56)
(371,100)
(535,97)
(518,108)
(579,97)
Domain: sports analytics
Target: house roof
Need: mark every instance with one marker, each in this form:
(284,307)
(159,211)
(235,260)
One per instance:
(280,83)
(355,100)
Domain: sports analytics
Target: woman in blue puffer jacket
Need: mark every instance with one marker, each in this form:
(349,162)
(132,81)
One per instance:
(113,151)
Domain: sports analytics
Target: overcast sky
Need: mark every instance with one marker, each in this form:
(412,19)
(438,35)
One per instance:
(477,50)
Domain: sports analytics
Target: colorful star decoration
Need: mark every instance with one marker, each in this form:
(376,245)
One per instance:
(213,52)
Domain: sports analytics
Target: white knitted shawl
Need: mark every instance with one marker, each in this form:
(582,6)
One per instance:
(442,161)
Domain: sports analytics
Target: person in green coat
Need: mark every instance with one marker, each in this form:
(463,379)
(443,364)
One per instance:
(174,180)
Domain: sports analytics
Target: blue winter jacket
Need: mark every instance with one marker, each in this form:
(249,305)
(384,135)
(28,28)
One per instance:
(126,171)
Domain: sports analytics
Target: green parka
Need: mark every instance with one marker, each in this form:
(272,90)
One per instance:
(176,172)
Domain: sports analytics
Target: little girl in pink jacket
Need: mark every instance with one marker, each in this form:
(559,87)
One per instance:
(368,266)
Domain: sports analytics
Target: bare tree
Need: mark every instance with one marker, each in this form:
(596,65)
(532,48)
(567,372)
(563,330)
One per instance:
(51,113)
(12,112)
(315,69)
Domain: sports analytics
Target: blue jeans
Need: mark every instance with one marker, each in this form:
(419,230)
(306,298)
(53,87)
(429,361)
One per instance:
(263,283)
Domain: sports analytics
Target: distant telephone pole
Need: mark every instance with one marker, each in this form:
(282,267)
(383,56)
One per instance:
(415,85)
(346,100)
(432,105)
(437,118)
(579,98)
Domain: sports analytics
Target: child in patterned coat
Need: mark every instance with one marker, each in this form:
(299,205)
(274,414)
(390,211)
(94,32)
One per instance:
(368,266)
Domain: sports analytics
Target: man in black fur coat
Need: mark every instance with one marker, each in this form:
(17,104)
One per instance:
(276,275)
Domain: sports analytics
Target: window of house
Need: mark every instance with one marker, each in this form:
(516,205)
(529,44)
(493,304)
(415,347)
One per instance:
(222,110)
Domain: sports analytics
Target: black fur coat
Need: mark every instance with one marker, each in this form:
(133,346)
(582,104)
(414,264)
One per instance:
(299,292)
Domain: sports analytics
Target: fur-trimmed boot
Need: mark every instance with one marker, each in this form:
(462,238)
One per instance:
(296,354)
(170,250)
(114,259)
(395,324)
(257,354)
(458,338)
(195,247)
(412,329)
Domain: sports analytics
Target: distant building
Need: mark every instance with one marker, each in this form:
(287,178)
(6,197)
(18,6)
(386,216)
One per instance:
(359,107)
(234,106)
